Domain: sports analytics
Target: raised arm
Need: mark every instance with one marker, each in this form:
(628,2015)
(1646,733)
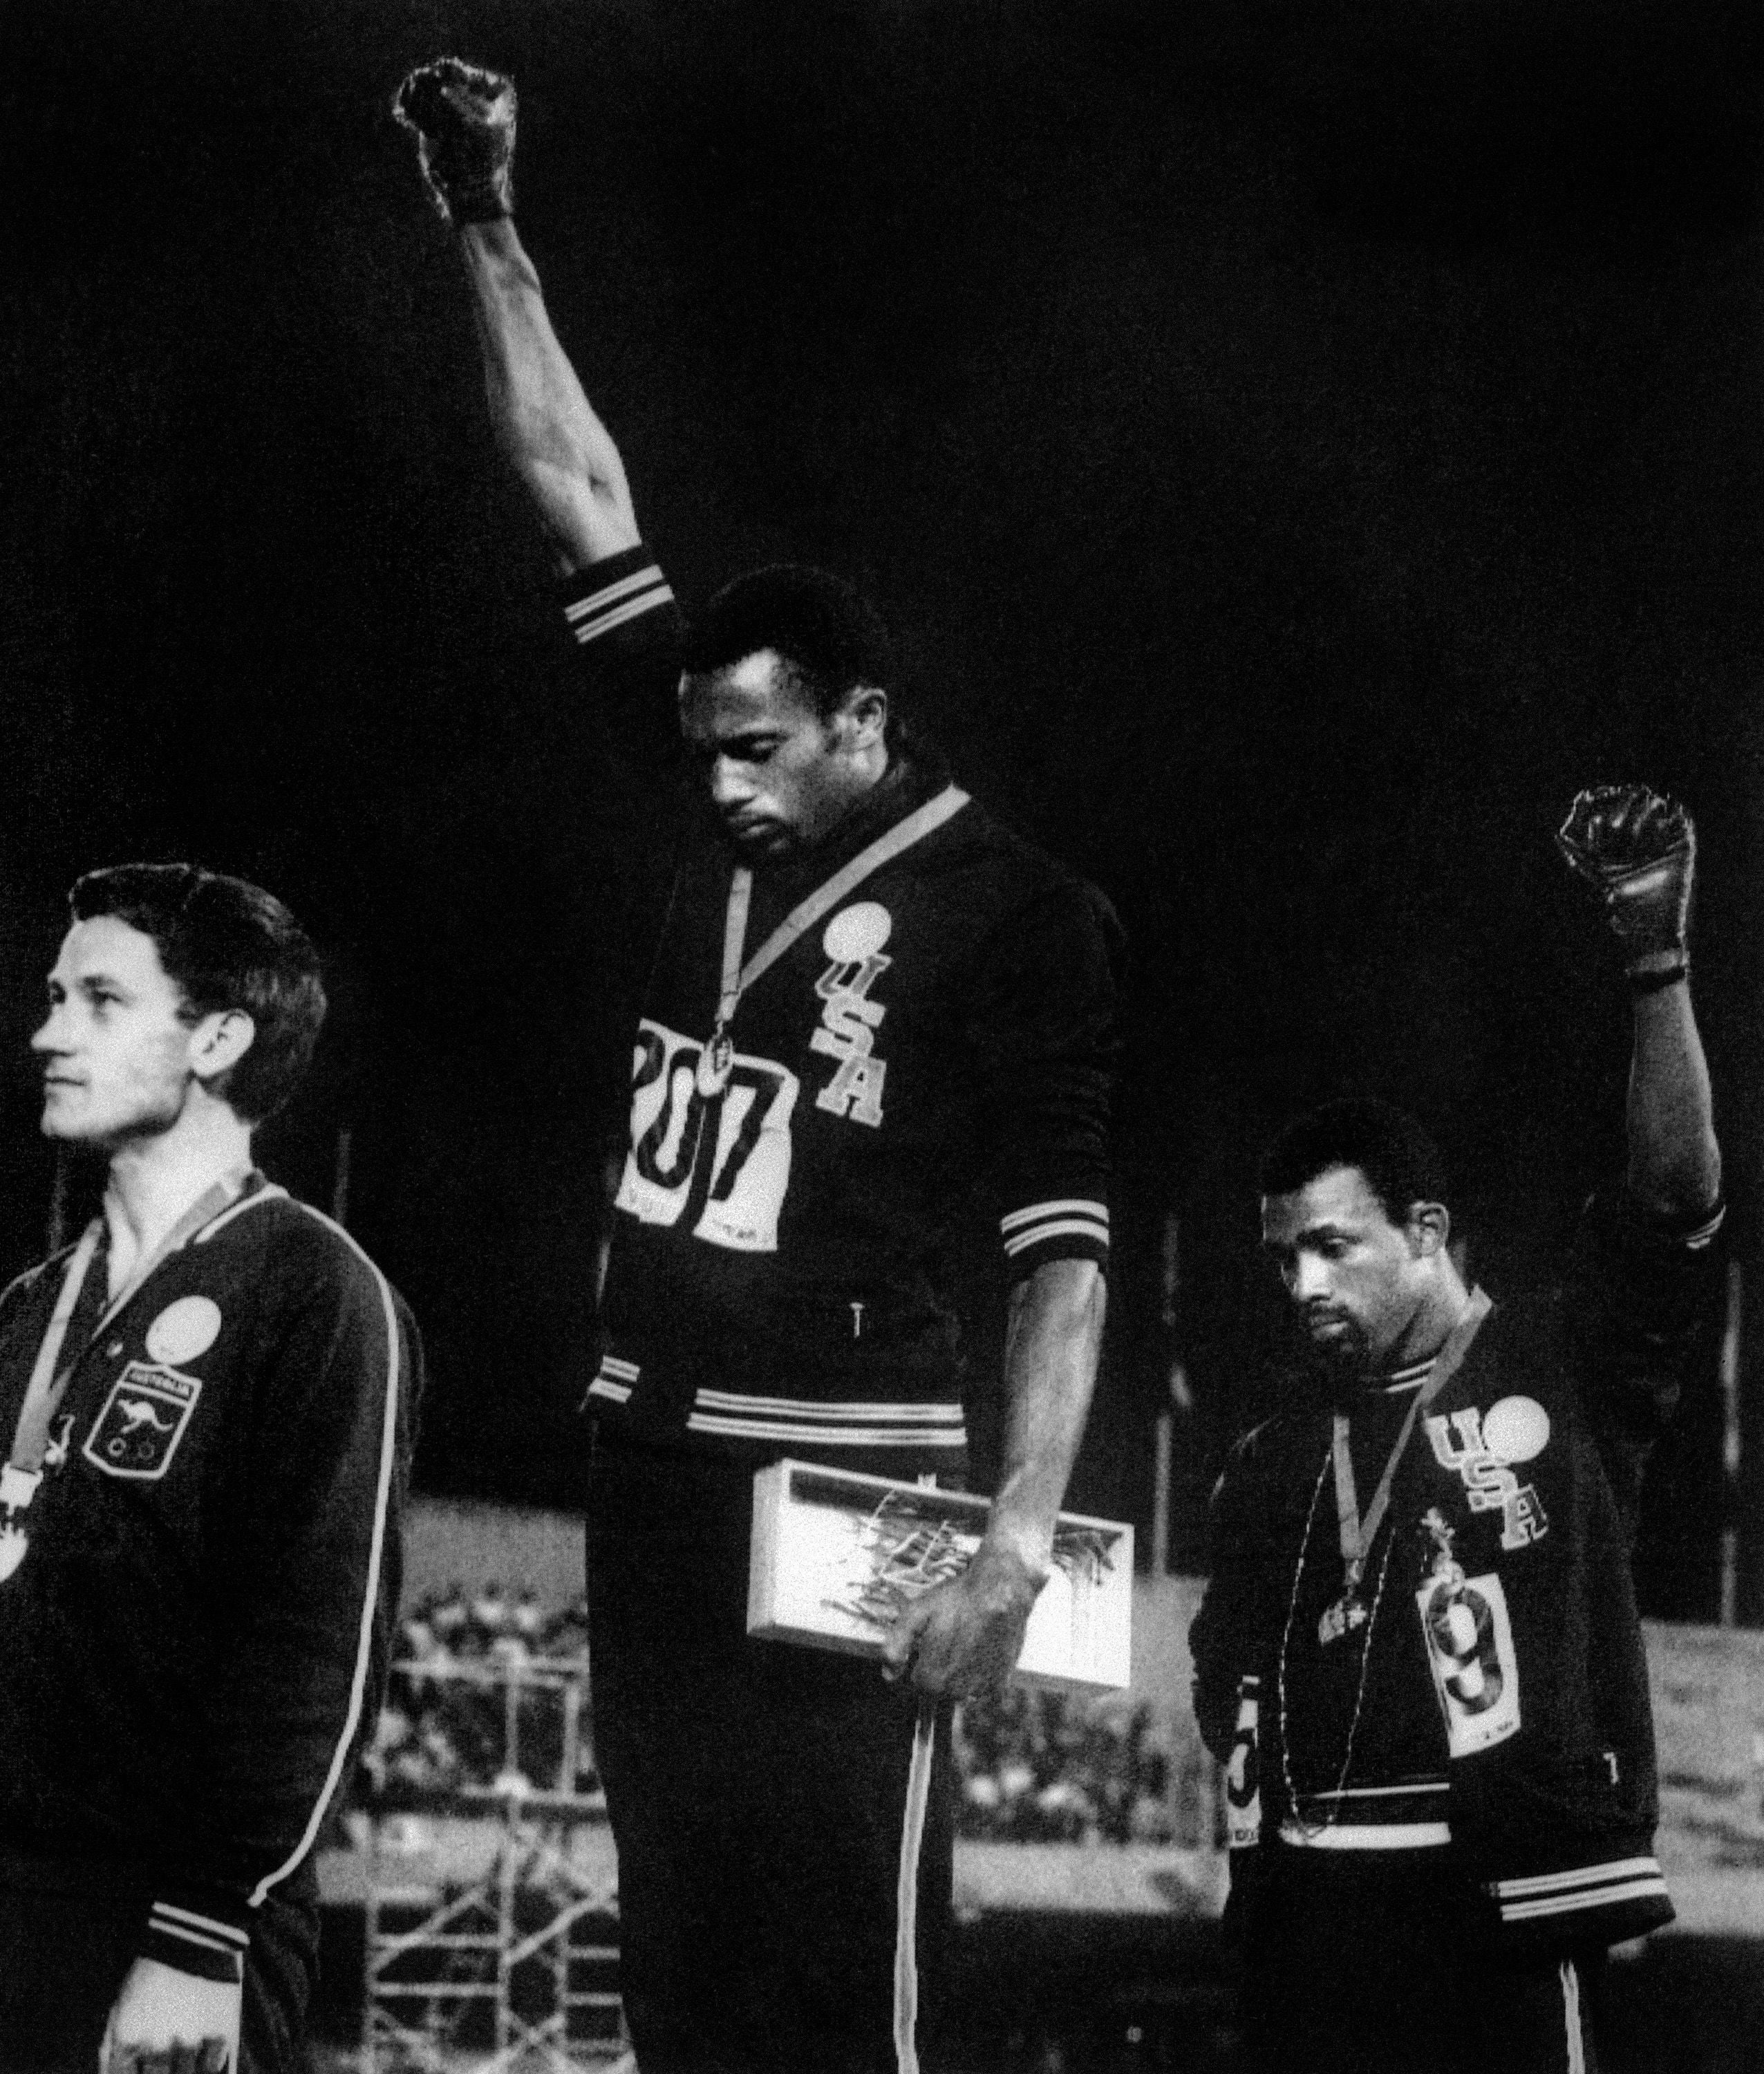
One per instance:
(464,120)
(1637,849)
(1674,1163)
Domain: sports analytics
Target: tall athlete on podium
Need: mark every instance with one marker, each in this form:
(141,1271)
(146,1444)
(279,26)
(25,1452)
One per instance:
(867,997)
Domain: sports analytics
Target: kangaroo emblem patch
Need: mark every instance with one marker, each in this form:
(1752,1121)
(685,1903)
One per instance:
(143,1418)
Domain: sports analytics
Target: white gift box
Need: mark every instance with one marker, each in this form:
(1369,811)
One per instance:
(834,1553)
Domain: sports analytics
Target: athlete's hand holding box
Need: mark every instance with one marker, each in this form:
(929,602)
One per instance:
(835,1555)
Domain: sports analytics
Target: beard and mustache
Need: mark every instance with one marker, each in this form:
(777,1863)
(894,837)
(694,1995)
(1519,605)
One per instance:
(1342,1356)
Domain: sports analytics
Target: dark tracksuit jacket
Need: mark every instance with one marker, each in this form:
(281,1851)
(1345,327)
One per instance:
(778,1283)
(778,1278)
(195,1638)
(1528,1466)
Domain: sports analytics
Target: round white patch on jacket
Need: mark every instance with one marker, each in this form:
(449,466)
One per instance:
(857,933)
(183,1329)
(1515,1429)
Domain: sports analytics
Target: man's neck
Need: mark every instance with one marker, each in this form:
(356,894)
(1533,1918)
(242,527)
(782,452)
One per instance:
(1432,1324)
(872,782)
(154,1180)
(859,808)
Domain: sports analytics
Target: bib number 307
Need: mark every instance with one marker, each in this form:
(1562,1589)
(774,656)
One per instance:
(718,1163)
(1475,1673)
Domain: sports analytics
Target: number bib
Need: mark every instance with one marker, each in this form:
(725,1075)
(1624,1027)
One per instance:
(1470,1652)
(718,1162)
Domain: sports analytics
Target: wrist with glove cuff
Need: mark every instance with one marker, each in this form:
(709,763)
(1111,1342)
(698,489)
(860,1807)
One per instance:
(1646,978)
(202,1937)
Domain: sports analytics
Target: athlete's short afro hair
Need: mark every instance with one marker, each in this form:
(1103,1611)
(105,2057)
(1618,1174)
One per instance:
(830,637)
(1401,1163)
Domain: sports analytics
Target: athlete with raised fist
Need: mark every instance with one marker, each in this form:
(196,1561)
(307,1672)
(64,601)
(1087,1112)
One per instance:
(867,1001)
(1418,1653)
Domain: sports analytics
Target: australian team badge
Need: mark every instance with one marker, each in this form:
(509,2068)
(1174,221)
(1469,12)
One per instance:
(138,1431)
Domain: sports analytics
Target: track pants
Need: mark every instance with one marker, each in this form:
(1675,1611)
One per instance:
(1373,1962)
(757,1792)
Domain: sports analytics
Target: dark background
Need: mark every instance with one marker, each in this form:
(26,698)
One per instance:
(1298,445)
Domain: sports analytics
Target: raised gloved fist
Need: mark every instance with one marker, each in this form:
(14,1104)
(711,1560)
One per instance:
(463,117)
(1638,849)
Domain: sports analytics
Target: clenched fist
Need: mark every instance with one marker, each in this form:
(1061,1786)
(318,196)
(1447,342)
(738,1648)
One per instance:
(463,117)
(1637,849)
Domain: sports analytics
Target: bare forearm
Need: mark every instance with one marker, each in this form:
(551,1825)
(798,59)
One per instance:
(542,417)
(1674,1164)
(1052,1337)
(963,1637)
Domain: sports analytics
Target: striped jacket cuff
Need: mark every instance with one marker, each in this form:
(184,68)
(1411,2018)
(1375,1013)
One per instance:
(1067,1228)
(196,1940)
(1583,1893)
(615,1380)
(1695,1232)
(611,593)
(1700,1236)
(788,1422)
(890,1424)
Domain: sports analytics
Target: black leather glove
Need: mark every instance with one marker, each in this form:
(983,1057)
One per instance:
(464,118)
(1637,849)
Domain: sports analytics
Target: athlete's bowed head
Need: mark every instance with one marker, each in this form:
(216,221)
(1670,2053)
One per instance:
(177,993)
(784,704)
(1353,1216)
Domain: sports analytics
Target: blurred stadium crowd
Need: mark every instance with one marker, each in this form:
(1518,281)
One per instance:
(489,1697)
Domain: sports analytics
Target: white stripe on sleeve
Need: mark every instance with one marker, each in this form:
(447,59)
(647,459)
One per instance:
(364,1647)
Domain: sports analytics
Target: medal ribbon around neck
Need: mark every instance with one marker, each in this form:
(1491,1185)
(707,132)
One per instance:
(718,1055)
(1358,1534)
(43,1395)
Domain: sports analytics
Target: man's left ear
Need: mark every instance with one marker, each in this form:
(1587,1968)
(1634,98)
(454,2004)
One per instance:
(864,716)
(1429,1228)
(219,1042)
